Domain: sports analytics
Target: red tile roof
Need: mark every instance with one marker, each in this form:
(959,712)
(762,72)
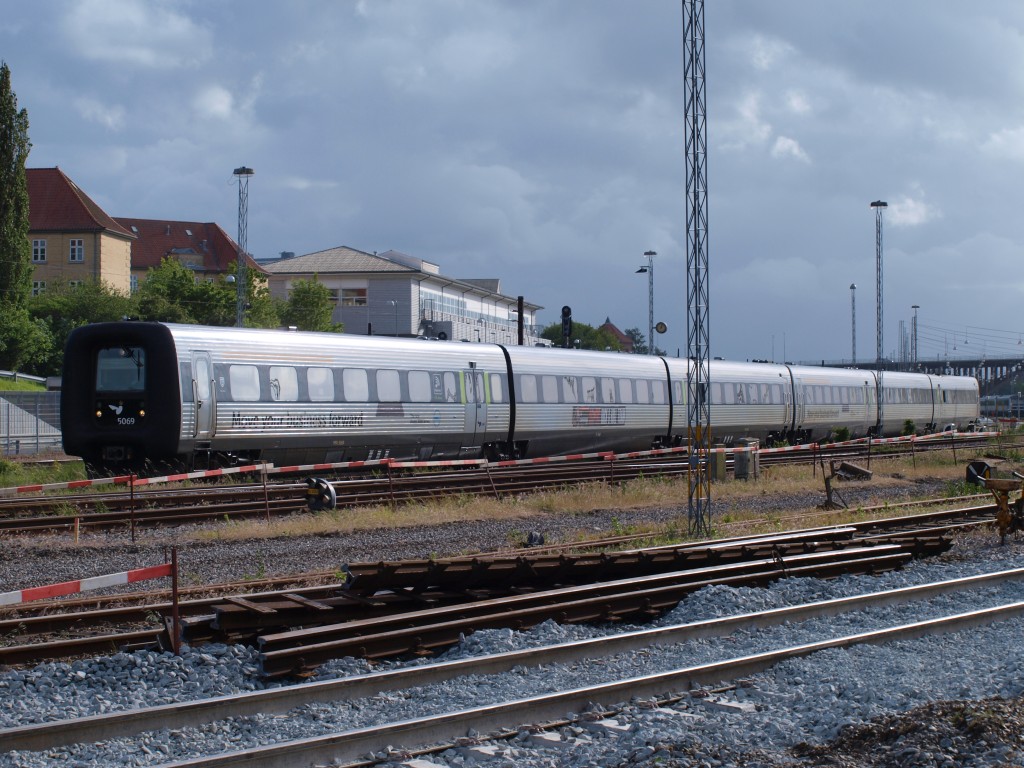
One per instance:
(56,204)
(624,340)
(204,245)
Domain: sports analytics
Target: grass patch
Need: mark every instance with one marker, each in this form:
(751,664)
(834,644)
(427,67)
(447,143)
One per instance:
(14,473)
(9,384)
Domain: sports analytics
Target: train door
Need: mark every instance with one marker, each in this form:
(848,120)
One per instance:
(203,396)
(475,401)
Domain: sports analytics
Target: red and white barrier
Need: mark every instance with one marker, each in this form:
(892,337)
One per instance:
(83,585)
(270,469)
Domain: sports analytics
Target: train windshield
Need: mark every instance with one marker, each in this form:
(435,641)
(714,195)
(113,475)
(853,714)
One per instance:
(121,369)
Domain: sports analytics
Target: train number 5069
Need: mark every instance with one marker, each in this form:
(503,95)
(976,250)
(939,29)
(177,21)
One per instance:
(125,421)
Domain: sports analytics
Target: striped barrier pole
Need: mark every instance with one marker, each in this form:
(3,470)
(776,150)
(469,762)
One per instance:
(84,585)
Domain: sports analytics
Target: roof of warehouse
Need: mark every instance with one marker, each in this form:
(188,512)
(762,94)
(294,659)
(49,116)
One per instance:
(335,260)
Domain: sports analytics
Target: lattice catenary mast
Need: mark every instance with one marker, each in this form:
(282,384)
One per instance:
(698,405)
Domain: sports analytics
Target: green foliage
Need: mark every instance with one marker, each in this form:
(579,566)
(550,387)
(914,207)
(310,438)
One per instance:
(62,308)
(956,488)
(168,293)
(15,248)
(588,337)
(909,428)
(25,343)
(842,434)
(171,294)
(309,307)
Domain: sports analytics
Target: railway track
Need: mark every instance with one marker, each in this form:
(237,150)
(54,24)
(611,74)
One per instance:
(409,607)
(506,717)
(388,486)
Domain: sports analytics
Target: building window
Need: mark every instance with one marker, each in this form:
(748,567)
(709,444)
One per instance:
(332,293)
(133,283)
(353,297)
(38,251)
(77,251)
(74,283)
(38,286)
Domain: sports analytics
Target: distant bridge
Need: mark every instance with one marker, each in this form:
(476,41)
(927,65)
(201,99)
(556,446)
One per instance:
(995,375)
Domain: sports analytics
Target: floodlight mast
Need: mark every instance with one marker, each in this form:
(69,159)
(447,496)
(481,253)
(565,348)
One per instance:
(243,173)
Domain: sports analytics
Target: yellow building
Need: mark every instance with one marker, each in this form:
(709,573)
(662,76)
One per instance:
(73,240)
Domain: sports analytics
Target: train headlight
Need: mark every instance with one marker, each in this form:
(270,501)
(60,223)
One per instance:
(142,412)
(99,414)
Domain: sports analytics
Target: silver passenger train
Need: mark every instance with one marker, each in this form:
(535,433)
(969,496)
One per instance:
(141,395)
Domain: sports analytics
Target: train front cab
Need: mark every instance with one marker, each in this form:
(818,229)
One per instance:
(120,401)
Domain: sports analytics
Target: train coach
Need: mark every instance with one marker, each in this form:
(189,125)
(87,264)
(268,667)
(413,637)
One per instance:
(152,396)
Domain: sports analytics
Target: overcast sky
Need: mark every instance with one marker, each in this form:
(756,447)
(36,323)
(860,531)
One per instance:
(541,142)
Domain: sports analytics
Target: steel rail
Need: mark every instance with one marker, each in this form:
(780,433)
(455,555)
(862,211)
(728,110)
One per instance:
(388,487)
(298,651)
(197,612)
(278,701)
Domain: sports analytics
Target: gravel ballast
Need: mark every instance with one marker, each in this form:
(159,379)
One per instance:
(944,701)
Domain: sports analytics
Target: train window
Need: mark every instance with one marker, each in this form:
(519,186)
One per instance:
(625,390)
(528,388)
(766,395)
(389,386)
(480,394)
(607,390)
(589,389)
(752,393)
(320,382)
(121,369)
(356,385)
(244,381)
(549,389)
(741,397)
(643,391)
(284,383)
(658,392)
(419,387)
(497,388)
(451,387)
(570,389)
(677,392)
(776,394)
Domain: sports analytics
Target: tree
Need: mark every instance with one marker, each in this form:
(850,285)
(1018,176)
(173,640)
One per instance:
(309,307)
(63,307)
(639,340)
(587,336)
(15,249)
(17,332)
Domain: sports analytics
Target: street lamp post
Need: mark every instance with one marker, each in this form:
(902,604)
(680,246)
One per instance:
(649,269)
(853,321)
(913,335)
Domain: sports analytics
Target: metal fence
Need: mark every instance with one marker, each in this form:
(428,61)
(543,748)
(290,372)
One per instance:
(29,422)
